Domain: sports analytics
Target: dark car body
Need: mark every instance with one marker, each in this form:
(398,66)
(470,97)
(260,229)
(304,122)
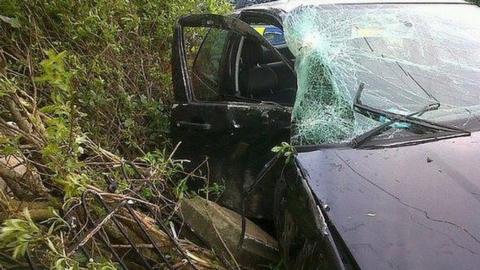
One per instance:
(413,207)
(396,206)
(246,3)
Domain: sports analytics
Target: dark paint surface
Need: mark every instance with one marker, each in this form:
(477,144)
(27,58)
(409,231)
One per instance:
(412,207)
(237,143)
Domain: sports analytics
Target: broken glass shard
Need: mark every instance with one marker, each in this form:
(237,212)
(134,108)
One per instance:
(408,56)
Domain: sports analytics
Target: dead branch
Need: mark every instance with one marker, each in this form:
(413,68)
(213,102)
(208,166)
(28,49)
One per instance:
(20,185)
(134,226)
(39,211)
(21,121)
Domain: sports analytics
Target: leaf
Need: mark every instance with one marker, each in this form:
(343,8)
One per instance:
(276,149)
(13,22)
(20,250)
(51,245)
(59,264)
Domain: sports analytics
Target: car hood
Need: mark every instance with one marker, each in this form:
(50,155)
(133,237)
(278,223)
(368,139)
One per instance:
(411,207)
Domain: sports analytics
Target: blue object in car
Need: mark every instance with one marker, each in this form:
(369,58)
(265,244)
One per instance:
(274,35)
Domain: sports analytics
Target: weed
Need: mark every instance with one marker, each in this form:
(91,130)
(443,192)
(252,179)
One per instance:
(287,150)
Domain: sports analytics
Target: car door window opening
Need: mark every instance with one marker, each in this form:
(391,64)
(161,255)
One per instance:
(235,66)
(207,68)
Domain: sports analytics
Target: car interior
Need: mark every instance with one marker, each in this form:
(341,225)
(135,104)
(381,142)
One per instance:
(262,76)
(232,67)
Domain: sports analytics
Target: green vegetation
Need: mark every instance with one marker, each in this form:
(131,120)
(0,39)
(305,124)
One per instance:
(118,57)
(85,92)
(286,150)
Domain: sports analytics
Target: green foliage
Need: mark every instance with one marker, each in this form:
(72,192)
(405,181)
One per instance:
(73,184)
(163,164)
(63,144)
(94,67)
(120,51)
(8,145)
(147,193)
(168,168)
(101,266)
(6,86)
(55,74)
(287,150)
(19,234)
(215,189)
(13,22)
(22,234)
(182,188)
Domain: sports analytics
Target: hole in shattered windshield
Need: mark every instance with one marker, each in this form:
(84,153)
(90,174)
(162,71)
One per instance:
(407,55)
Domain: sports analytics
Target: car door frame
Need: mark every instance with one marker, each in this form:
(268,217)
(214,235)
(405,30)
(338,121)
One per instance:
(184,94)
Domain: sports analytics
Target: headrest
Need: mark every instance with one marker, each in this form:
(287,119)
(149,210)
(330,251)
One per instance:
(261,81)
(252,53)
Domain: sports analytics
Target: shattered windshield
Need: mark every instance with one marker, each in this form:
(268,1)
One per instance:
(407,55)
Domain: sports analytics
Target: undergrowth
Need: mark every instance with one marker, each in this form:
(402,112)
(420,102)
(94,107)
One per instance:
(118,54)
(78,77)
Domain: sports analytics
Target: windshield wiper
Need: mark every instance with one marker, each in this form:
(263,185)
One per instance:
(375,113)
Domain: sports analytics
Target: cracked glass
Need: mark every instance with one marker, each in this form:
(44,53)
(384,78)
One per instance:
(407,55)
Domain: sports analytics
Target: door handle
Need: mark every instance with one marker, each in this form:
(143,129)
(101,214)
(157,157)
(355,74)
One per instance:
(199,126)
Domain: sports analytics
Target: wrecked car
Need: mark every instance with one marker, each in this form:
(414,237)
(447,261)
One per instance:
(380,104)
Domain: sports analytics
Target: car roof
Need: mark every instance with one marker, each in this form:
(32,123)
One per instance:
(288,5)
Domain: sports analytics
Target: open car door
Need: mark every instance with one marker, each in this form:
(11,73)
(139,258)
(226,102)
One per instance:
(213,120)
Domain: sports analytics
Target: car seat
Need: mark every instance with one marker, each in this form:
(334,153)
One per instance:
(259,81)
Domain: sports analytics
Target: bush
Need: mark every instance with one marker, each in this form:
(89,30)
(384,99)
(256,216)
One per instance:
(76,75)
(119,52)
